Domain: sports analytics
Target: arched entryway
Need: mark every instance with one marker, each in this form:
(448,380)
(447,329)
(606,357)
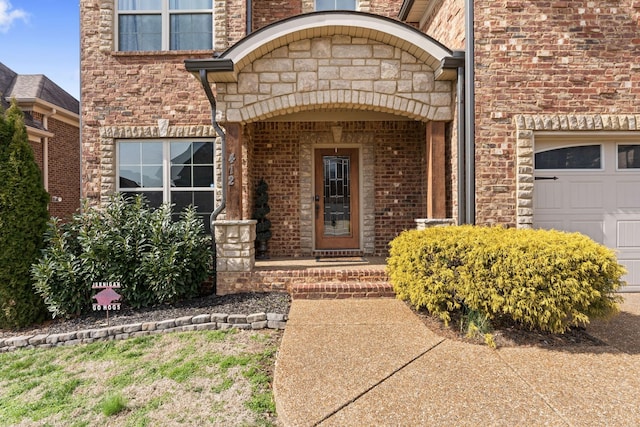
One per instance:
(335,104)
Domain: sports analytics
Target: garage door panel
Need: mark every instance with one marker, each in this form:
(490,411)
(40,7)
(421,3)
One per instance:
(628,195)
(633,272)
(586,195)
(549,225)
(602,203)
(593,229)
(590,225)
(628,234)
(548,195)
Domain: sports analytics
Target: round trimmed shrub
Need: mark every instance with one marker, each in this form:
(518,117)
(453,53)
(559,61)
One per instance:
(541,279)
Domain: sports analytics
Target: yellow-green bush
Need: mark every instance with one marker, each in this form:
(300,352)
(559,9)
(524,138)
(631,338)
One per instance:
(542,279)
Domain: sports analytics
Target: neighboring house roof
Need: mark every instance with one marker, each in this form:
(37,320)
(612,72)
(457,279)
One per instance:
(31,87)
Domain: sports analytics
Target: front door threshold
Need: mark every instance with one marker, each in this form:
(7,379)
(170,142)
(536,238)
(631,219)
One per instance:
(337,253)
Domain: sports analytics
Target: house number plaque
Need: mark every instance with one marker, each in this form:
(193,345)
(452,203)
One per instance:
(231,179)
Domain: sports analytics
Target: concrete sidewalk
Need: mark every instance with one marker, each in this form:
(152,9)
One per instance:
(372,362)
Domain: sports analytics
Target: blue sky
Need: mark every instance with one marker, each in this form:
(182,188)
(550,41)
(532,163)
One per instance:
(42,37)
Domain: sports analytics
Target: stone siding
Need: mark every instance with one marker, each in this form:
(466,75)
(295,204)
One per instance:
(235,245)
(335,72)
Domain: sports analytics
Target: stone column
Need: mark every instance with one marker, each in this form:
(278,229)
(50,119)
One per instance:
(235,245)
(436,173)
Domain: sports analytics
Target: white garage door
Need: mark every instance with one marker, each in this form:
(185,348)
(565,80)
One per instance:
(594,189)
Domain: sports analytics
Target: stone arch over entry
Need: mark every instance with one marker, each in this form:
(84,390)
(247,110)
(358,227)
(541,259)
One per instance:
(331,61)
(286,91)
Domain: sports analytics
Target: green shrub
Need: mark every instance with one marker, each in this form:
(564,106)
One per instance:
(23,220)
(155,259)
(541,279)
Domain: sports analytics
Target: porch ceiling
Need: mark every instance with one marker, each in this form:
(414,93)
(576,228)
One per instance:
(323,24)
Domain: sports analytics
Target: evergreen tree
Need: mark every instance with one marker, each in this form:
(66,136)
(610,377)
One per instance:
(23,220)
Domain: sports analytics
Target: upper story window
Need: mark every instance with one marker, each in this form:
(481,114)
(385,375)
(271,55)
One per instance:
(335,4)
(146,25)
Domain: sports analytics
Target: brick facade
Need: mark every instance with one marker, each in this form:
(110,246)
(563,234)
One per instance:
(64,168)
(394,186)
(562,59)
(63,179)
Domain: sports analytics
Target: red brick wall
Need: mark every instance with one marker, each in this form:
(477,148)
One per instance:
(541,57)
(400,184)
(386,8)
(276,158)
(446,23)
(64,168)
(266,12)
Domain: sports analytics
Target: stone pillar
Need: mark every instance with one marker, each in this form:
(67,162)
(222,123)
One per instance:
(422,223)
(235,245)
(233,133)
(436,173)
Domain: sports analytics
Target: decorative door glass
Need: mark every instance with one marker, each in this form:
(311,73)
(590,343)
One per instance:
(337,195)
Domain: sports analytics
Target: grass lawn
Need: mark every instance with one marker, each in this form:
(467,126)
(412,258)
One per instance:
(218,378)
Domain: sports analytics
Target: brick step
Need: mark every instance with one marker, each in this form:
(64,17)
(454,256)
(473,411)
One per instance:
(334,290)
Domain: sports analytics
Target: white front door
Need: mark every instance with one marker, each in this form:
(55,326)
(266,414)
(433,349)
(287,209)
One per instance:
(594,189)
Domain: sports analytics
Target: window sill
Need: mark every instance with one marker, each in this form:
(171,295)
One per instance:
(157,53)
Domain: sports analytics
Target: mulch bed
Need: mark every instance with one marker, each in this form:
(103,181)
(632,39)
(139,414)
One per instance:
(511,335)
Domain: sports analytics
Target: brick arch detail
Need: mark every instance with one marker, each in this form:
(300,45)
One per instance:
(528,125)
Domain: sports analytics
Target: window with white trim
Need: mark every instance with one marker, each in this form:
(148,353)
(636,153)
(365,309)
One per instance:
(151,25)
(176,171)
(576,157)
(628,156)
(335,4)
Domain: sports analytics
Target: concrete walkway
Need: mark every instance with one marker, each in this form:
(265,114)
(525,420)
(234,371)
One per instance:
(372,362)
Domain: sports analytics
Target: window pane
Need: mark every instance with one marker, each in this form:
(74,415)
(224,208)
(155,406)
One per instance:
(203,153)
(582,157)
(203,176)
(139,32)
(180,153)
(325,4)
(181,176)
(129,153)
(154,198)
(345,5)
(152,176)
(190,4)
(130,177)
(152,153)
(628,156)
(181,200)
(204,200)
(139,4)
(191,32)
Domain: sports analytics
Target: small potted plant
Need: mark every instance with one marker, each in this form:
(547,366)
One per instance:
(263,227)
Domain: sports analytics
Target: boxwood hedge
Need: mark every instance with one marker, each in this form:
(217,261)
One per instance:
(541,279)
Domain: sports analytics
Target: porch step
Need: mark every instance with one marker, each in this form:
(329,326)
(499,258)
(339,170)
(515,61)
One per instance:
(334,290)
